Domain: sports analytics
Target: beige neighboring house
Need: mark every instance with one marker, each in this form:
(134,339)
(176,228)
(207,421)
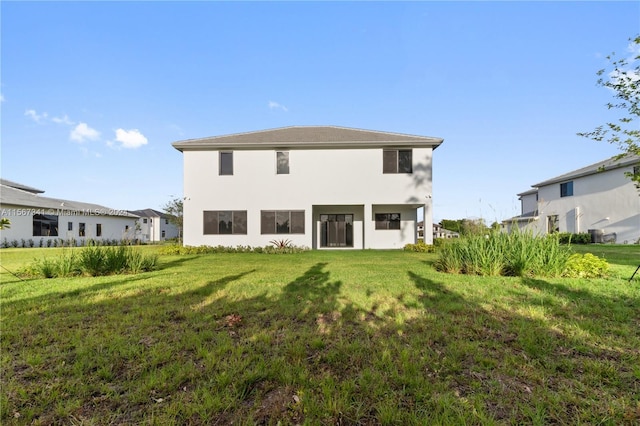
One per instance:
(599,199)
(35,217)
(317,186)
(154,226)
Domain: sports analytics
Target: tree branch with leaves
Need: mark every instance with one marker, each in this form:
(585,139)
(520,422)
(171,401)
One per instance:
(622,77)
(174,209)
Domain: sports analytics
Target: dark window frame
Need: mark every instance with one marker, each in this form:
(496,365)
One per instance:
(82,230)
(225,163)
(69,226)
(397,161)
(278,222)
(566,189)
(282,162)
(224,222)
(45,225)
(98,230)
(553,224)
(388,221)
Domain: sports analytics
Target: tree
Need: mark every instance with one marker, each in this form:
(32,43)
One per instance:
(623,79)
(173,209)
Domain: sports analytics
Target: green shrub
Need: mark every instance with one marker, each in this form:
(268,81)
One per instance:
(172,249)
(586,266)
(569,238)
(420,247)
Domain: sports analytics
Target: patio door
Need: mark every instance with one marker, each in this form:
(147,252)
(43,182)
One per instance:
(336,230)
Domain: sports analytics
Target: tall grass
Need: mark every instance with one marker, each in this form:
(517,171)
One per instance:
(93,261)
(515,254)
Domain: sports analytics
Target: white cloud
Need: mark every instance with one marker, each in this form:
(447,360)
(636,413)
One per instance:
(1,97)
(276,105)
(63,120)
(82,132)
(31,113)
(130,138)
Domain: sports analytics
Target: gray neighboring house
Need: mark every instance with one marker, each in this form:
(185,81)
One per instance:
(153,226)
(599,199)
(35,217)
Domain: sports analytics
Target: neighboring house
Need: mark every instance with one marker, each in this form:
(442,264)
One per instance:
(316,186)
(34,217)
(599,199)
(440,232)
(154,226)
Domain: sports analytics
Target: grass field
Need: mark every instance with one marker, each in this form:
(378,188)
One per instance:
(320,337)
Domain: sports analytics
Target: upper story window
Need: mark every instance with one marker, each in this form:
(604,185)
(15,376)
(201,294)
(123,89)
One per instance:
(397,161)
(144,220)
(566,189)
(282,162)
(226,163)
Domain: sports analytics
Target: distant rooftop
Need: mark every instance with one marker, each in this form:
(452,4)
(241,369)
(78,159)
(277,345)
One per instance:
(12,193)
(149,213)
(609,164)
(16,185)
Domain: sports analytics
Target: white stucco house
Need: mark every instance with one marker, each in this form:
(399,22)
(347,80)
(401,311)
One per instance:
(599,199)
(316,186)
(154,226)
(35,217)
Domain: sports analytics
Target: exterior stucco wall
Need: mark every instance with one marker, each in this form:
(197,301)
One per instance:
(21,217)
(317,177)
(529,203)
(607,201)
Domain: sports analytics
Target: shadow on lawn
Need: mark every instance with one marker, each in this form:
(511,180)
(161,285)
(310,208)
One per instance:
(306,354)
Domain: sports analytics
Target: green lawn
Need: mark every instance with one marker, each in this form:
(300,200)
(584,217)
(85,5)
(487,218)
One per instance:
(320,337)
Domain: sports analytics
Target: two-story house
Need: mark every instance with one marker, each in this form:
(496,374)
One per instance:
(154,226)
(600,199)
(316,186)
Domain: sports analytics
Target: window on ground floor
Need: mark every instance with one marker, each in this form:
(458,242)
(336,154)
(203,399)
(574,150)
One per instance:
(98,230)
(225,222)
(45,225)
(81,231)
(387,220)
(282,222)
(69,226)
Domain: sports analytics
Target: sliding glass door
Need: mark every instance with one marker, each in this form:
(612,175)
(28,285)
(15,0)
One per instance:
(336,230)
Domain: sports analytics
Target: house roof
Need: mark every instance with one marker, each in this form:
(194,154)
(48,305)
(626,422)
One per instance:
(612,163)
(307,137)
(530,216)
(20,186)
(529,192)
(11,195)
(148,213)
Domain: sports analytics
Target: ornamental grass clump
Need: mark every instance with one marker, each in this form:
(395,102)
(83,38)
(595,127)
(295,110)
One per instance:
(93,261)
(515,254)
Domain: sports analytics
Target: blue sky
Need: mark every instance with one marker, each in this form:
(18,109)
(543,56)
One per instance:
(93,94)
